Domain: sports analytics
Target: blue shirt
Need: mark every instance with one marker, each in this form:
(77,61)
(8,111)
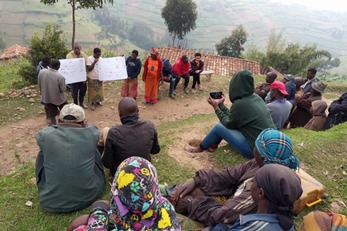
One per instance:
(254,222)
(279,110)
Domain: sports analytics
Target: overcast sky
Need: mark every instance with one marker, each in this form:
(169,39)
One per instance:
(331,5)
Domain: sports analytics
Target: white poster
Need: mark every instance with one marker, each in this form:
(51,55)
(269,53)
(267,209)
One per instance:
(74,70)
(112,69)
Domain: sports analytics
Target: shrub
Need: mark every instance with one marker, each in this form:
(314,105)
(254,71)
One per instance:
(51,44)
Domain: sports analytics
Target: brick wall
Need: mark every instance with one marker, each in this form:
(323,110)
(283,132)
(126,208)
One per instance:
(221,65)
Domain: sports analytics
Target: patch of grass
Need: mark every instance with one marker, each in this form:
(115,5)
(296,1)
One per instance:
(9,77)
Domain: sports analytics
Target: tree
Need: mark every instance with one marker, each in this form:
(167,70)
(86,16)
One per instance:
(233,45)
(180,17)
(79,4)
(52,44)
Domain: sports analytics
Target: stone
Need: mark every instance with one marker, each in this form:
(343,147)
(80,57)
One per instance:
(31,100)
(2,95)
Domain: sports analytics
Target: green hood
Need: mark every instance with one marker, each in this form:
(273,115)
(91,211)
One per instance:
(241,85)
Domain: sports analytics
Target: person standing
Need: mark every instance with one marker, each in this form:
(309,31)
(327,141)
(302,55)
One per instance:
(151,76)
(43,64)
(79,89)
(181,70)
(129,87)
(95,86)
(196,67)
(52,88)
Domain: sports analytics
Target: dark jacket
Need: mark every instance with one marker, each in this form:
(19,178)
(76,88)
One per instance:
(248,113)
(337,112)
(69,172)
(133,67)
(196,67)
(167,68)
(291,90)
(263,89)
(209,211)
(133,138)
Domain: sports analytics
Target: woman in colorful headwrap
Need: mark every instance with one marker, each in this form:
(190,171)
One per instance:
(275,204)
(220,196)
(151,76)
(136,201)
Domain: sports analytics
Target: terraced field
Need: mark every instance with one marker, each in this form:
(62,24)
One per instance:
(20,18)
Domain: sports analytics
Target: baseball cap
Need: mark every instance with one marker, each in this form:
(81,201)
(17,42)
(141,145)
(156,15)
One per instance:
(72,110)
(280,86)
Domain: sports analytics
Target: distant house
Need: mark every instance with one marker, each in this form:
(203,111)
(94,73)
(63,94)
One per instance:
(13,52)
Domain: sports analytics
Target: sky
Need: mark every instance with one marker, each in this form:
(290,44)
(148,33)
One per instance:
(331,5)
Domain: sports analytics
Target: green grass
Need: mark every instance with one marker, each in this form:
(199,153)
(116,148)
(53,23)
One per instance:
(9,77)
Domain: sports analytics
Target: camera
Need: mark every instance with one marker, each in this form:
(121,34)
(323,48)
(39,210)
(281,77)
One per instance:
(216,94)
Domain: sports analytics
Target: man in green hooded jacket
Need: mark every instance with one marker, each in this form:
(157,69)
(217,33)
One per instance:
(241,124)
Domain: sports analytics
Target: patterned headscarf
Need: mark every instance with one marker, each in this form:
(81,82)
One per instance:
(136,201)
(276,147)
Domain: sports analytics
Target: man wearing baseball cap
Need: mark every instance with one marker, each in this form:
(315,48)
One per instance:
(279,107)
(69,172)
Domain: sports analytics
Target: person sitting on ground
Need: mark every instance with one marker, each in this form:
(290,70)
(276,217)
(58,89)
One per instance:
(181,70)
(337,112)
(241,124)
(132,137)
(196,67)
(311,78)
(288,81)
(220,196)
(129,87)
(279,107)
(151,76)
(136,202)
(168,76)
(52,88)
(275,204)
(301,114)
(318,116)
(69,172)
(263,89)
(323,221)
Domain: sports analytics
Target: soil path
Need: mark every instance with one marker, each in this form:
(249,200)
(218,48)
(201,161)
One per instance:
(18,144)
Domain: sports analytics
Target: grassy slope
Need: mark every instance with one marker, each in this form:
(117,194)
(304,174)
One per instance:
(321,153)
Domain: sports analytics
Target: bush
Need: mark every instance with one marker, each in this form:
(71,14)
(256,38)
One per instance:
(52,44)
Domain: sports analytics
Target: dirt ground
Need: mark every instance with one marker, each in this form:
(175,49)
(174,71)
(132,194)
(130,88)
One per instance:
(18,144)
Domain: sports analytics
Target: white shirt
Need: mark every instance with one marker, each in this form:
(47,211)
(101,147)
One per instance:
(93,74)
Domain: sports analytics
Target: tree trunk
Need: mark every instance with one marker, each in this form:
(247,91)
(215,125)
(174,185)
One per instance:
(173,39)
(73,24)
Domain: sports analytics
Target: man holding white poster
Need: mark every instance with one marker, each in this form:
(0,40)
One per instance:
(95,86)
(79,89)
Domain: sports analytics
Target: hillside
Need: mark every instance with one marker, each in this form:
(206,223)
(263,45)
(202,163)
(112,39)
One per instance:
(20,18)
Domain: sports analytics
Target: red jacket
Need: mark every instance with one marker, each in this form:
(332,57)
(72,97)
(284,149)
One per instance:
(145,68)
(180,68)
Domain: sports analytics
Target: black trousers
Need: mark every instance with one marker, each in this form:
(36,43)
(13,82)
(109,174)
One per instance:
(196,79)
(78,92)
(178,78)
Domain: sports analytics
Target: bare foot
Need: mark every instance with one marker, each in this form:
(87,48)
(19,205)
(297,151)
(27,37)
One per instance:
(193,149)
